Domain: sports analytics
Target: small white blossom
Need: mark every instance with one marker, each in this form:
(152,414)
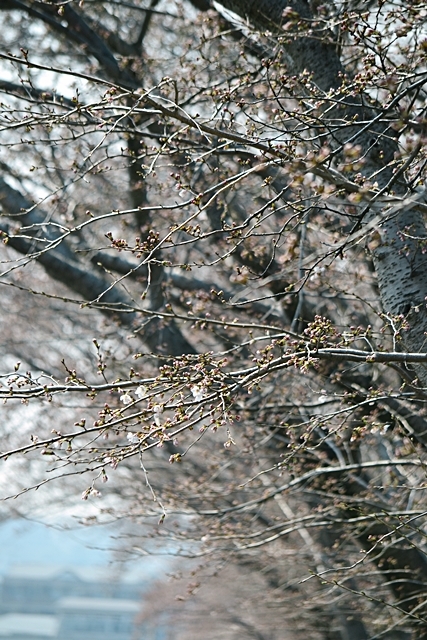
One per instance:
(157,410)
(133,438)
(91,491)
(126,398)
(141,391)
(198,392)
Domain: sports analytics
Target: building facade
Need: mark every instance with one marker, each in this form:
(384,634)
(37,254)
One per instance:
(63,603)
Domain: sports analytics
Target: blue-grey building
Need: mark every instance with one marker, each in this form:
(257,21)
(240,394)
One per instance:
(75,603)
